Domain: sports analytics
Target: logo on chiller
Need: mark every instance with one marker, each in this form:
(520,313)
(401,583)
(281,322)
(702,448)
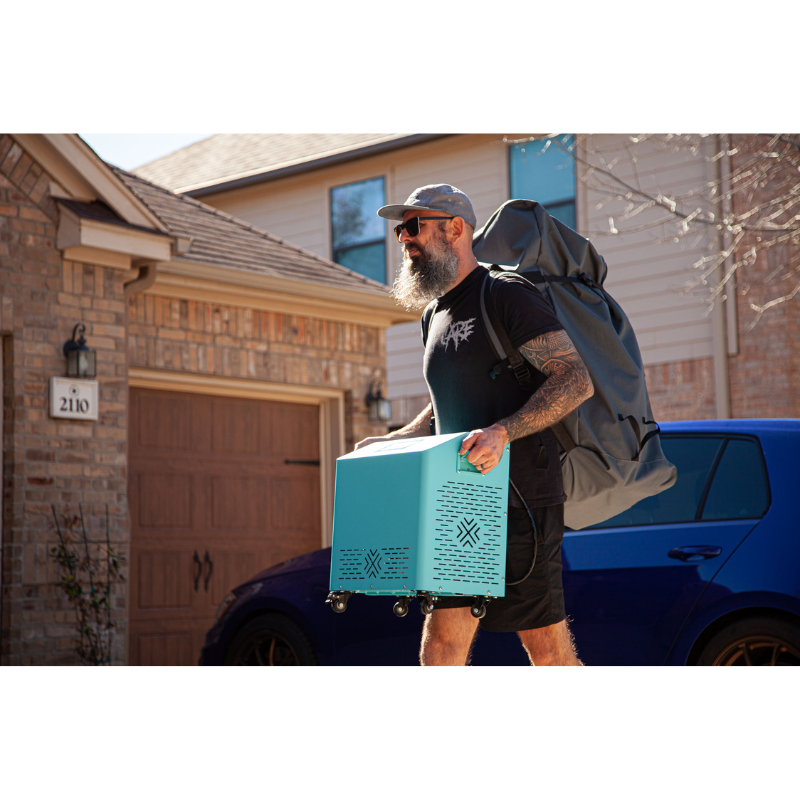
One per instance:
(468,532)
(372,563)
(458,332)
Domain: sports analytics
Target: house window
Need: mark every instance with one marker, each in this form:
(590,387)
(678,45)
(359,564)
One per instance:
(544,170)
(358,233)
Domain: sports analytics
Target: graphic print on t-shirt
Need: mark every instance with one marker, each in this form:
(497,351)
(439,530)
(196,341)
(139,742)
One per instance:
(458,332)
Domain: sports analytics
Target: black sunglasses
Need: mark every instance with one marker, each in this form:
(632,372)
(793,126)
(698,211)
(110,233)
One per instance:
(413,226)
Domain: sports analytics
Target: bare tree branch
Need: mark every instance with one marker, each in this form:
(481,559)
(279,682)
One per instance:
(754,206)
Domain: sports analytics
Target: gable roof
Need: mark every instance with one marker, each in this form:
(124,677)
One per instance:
(228,160)
(222,240)
(79,174)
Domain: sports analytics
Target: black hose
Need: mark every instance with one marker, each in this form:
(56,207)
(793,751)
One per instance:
(535,538)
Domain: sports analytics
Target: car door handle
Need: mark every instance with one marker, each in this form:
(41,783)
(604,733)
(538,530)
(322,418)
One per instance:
(695,552)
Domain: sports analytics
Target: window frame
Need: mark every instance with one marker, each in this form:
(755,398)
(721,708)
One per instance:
(725,438)
(713,473)
(335,251)
(552,203)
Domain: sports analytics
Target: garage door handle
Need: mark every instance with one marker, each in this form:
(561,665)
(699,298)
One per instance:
(698,552)
(196,559)
(309,462)
(210,563)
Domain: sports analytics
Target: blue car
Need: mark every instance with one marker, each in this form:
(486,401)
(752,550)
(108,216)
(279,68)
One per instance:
(705,573)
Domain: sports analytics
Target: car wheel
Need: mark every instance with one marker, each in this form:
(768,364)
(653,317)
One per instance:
(754,642)
(271,640)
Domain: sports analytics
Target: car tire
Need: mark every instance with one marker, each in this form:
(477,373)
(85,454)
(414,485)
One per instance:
(270,640)
(753,642)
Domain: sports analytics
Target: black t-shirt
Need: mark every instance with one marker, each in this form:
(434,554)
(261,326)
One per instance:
(458,360)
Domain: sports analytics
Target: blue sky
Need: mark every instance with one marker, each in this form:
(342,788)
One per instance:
(131,150)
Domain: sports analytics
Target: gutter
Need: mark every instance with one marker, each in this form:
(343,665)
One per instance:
(314,164)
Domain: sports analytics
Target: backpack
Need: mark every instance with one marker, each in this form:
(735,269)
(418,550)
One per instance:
(611,455)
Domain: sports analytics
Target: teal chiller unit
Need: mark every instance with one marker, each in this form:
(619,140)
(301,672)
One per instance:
(412,518)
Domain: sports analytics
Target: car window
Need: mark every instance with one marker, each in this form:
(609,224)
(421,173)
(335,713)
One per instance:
(693,456)
(739,489)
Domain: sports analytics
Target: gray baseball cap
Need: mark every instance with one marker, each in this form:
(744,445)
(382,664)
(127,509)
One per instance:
(436,197)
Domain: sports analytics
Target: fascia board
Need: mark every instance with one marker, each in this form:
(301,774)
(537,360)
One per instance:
(209,283)
(74,232)
(138,244)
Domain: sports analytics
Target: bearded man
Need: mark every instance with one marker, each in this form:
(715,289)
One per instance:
(439,272)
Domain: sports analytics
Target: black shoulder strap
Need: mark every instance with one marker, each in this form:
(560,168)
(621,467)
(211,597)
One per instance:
(505,350)
(498,337)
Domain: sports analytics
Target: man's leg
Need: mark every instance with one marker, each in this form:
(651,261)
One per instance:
(447,637)
(551,646)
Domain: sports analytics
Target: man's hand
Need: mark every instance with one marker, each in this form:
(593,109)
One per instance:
(420,426)
(371,439)
(485,447)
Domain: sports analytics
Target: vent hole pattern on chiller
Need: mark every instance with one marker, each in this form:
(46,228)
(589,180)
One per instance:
(379,563)
(469,531)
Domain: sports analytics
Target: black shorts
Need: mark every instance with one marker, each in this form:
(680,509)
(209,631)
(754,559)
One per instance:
(539,600)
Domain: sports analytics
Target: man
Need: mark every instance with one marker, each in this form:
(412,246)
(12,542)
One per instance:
(439,267)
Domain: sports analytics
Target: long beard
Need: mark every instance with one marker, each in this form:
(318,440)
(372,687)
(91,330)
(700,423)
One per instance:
(426,276)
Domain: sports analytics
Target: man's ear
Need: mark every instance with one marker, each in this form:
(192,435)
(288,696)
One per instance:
(458,227)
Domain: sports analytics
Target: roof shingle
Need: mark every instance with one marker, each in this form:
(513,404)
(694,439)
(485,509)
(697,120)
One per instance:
(228,156)
(223,240)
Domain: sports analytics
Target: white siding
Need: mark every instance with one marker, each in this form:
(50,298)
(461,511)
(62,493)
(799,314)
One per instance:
(648,270)
(404,361)
(296,212)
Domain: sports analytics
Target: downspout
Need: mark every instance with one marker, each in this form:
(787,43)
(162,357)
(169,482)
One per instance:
(145,279)
(719,323)
(732,314)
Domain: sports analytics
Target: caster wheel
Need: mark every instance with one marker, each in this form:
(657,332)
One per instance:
(478,611)
(425,607)
(400,608)
(339,605)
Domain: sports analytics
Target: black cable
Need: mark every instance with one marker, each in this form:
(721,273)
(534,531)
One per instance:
(535,537)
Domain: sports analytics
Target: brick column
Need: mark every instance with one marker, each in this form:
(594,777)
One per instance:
(49,461)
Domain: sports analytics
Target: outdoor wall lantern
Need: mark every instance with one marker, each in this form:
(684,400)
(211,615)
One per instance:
(81,360)
(380,409)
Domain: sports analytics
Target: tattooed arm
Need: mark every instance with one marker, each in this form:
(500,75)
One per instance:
(568,384)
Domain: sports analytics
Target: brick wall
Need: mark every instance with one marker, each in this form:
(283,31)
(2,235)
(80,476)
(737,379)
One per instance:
(48,461)
(765,375)
(682,389)
(226,341)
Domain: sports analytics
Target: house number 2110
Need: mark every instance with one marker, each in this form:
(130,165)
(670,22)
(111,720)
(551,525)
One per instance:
(75,404)
(72,398)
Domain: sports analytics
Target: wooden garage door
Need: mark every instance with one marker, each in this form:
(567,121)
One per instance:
(219,488)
